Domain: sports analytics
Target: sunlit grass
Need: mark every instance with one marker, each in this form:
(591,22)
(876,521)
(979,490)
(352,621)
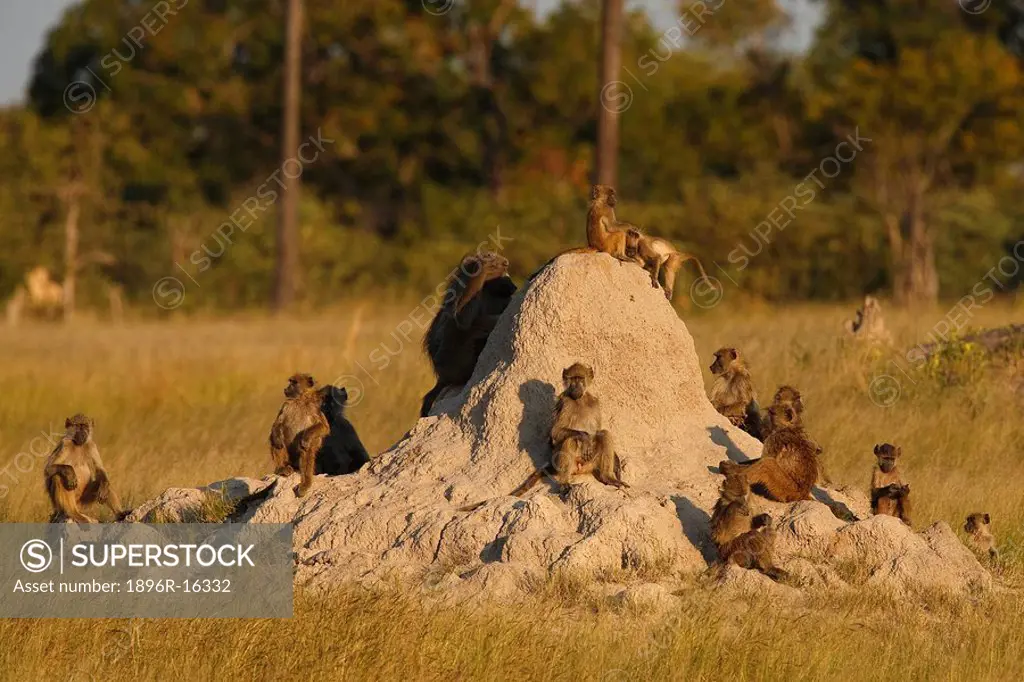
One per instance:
(189,402)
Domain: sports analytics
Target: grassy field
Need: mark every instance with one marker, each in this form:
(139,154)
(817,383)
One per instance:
(186,403)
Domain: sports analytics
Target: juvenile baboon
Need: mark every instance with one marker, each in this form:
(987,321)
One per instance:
(784,395)
(75,476)
(979,535)
(342,452)
(299,431)
(890,495)
(732,392)
(604,232)
(477,295)
(579,443)
(660,258)
(788,467)
(740,537)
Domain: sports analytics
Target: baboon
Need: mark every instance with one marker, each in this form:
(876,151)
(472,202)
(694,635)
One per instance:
(604,232)
(299,431)
(868,323)
(979,535)
(477,295)
(659,258)
(784,395)
(579,443)
(788,467)
(741,538)
(890,495)
(75,476)
(732,392)
(342,452)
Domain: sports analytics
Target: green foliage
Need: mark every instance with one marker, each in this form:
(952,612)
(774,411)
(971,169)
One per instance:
(445,128)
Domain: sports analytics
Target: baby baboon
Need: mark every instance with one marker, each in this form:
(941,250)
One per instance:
(741,538)
(890,495)
(604,232)
(579,444)
(75,476)
(477,295)
(661,259)
(342,452)
(979,535)
(732,392)
(788,467)
(298,431)
(785,395)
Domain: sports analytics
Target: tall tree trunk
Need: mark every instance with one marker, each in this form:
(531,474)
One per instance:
(915,277)
(74,209)
(287,269)
(608,118)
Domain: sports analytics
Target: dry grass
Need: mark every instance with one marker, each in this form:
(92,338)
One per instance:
(188,403)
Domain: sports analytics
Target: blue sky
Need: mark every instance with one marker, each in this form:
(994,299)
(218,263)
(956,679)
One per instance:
(24,23)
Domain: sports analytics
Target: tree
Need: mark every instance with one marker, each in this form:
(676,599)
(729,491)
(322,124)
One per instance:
(608,113)
(939,97)
(287,268)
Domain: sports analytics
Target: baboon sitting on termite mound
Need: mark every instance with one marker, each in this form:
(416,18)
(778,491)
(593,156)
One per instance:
(75,476)
(732,392)
(298,431)
(788,467)
(740,537)
(342,452)
(477,295)
(890,494)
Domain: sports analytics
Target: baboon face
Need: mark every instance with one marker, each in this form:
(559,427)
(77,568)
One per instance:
(491,264)
(735,487)
(78,428)
(298,384)
(576,378)
(604,194)
(783,415)
(788,394)
(977,522)
(337,397)
(723,358)
(871,303)
(887,455)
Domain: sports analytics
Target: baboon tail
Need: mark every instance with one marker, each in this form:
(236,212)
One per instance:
(531,481)
(429,398)
(689,256)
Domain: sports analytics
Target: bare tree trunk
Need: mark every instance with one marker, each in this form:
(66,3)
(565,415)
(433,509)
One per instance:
(71,251)
(607,160)
(915,277)
(287,226)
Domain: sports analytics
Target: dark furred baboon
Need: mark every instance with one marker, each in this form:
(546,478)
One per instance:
(75,476)
(890,495)
(298,431)
(979,535)
(579,443)
(788,467)
(732,392)
(342,452)
(660,258)
(477,295)
(604,232)
(740,537)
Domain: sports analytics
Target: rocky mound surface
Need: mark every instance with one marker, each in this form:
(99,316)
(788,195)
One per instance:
(398,518)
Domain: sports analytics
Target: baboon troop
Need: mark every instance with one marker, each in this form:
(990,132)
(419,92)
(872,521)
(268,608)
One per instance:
(980,536)
(890,494)
(75,477)
(476,296)
(312,435)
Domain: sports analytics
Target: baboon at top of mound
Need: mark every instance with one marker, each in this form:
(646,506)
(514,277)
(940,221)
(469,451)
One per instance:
(476,296)
(732,392)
